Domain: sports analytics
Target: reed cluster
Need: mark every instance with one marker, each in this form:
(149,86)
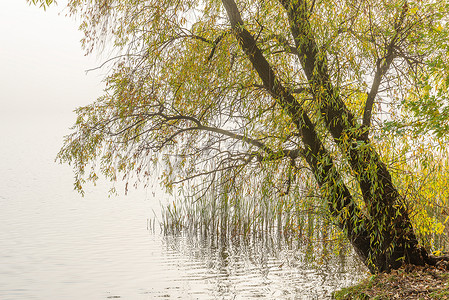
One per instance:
(300,216)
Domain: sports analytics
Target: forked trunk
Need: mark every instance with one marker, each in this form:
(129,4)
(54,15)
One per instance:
(382,235)
(384,240)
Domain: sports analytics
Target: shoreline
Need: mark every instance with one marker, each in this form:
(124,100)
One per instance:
(408,282)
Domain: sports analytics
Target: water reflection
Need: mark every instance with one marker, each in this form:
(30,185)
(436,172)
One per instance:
(269,267)
(56,245)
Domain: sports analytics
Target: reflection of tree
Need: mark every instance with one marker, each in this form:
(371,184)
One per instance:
(257,265)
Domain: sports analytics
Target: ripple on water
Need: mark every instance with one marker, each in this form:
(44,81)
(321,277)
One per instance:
(234,272)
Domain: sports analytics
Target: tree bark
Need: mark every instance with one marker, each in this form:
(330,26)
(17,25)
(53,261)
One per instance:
(384,238)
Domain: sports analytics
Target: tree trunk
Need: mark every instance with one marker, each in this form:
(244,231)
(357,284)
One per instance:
(382,235)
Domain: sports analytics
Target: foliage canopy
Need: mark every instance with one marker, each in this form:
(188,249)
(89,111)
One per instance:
(253,97)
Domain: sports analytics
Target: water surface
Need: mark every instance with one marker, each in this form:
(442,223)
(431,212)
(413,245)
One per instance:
(56,245)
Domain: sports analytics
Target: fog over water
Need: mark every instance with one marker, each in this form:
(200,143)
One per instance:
(54,244)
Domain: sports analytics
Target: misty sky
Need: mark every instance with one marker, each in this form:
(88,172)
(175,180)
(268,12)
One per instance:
(42,65)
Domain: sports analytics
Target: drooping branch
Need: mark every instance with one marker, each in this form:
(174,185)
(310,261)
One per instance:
(243,138)
(268,153)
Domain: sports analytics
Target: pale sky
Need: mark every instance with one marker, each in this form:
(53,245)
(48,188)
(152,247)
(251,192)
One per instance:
(42,65)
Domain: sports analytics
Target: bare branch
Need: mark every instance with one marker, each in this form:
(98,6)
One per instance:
(381,70)
(382,66)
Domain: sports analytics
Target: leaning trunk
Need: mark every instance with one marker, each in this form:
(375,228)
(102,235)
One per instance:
(382,235)
(392,239)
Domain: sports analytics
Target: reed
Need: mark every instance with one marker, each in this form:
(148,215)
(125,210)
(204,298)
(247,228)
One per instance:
(227,214)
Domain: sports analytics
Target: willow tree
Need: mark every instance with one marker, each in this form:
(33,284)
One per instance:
(210,91)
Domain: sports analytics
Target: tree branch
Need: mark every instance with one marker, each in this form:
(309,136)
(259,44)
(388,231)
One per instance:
(381,70)
(257,143)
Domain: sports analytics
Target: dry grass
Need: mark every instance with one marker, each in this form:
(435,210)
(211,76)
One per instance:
(409,282)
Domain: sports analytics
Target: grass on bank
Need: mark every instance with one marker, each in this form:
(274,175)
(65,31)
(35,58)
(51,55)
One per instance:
(409,282)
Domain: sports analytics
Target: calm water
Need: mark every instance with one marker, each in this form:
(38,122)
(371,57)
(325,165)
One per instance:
(56,245)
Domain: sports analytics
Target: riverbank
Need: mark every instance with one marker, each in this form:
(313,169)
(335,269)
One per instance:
(410,282)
